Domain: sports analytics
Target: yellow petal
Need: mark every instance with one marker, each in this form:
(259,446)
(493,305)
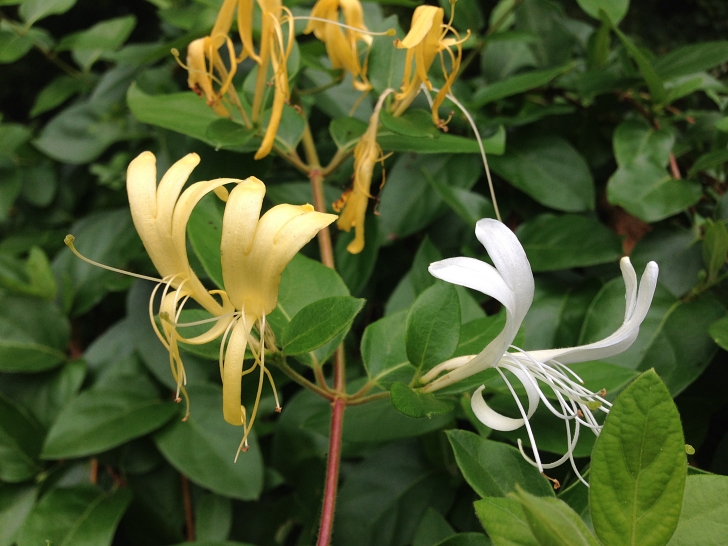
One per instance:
(423,20)
(223,23)
(233,371)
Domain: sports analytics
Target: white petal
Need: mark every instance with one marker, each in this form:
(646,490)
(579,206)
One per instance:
(495,420)
(477,275)
(630,286)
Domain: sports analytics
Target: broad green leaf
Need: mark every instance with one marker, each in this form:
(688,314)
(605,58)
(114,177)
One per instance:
(432,529)
(21,437)
(16,502)
(385,65)
(414,122)
(432,328)
(419,273)
(476,334)
(704,509)
(12,136)
(691,59)
(647,191)
(466,539)
(548,169)
(319,322)
(385,496)
(547,22)
(35,10)
(715,248)
(184,112)
(638,467)
(356,269)
(418,404)
(346,132)
(13,46)
(82,515)
(673,338)
(714,158)
(56,93)
(213,518)
(634,139)
(33,334)
(291,127)
(654,83)
(719,332)
(562,242)
(204,447)
(442,143)
(615,9)
(384,353)
(226,133)
(87,46)
(505,521)
(516,84)
(553,522)
(468,205)
(32,278)
(494,469)
(204,230)
(107,416)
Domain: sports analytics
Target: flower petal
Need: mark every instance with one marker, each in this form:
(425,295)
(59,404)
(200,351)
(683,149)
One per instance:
(495,420)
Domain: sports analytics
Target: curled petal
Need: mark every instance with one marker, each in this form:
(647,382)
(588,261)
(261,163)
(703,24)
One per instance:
(495,420)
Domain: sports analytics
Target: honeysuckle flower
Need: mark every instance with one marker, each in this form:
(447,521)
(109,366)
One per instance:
(160,215)
(354,201)
(426,40)
(254,254)
(511,283)
(341,42)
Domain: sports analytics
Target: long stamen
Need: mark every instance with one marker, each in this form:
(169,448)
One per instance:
(525,419)
(222,345)
(168,320)
(69,239)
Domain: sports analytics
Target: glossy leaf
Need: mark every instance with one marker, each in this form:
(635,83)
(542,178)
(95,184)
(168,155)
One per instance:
(562,242)
(505,521)
(80,515)
(211,462)
(383,351)
(691,59)
(442,143)
(615,9)
(16,502)
(35,10)
(549,170)
(319,322)
(719,332)
(494,469)
(516,84)
(107,416)
(432,328)
(638,467)
(702,519)
(418,404)
(21,438)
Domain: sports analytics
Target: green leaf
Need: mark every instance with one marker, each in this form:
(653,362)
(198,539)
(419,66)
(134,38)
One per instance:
(319,322)
(213,518)
(548,169)
(20,440)
(56,93)
(654,83)
(633,140)
(703,516)
(494,469)
(204,447)
(466,539)
(561,242)
(205,233)
(615,9)
(386,63)
(553,522)
(89,45)
(442,143)
(505,521)
(33,334)
(715,248)
(468,205)
(184,112)
(35,10)
(691,59)
(107,416)
(638,467)
(710,159)
(514,85)
(13,46)
(16,502)
(414,122)
(719,332)
(346,132)
(32,278)
(384,353)
(82,515)
(432,529)
(225,133)
(432,328)
(356,269)
(418,404)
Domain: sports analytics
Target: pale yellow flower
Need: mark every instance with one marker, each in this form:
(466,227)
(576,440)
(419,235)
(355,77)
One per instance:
(424,42)
(255,251)
(341,42)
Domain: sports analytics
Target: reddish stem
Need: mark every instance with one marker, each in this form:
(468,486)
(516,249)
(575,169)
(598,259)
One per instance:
(332,472)
(187,500)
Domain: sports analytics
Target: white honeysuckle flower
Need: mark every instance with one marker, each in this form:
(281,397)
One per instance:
(511,283)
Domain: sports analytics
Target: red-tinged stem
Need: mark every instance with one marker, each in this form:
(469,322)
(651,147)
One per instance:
(332,473)
(187,500)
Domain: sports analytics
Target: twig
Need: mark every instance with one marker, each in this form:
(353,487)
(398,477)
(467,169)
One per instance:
(189,520)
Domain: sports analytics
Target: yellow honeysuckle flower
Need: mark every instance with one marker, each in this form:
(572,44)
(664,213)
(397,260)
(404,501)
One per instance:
(354,202)
(425,40)
(341,44)
(255,251)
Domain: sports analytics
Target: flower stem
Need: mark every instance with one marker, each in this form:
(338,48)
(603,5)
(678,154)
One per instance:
(332,473)
(317,188)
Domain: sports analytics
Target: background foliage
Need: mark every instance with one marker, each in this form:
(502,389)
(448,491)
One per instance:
(605,138)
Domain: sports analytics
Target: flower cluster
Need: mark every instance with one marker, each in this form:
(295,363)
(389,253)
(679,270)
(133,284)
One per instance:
(511,283)
(254,251)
